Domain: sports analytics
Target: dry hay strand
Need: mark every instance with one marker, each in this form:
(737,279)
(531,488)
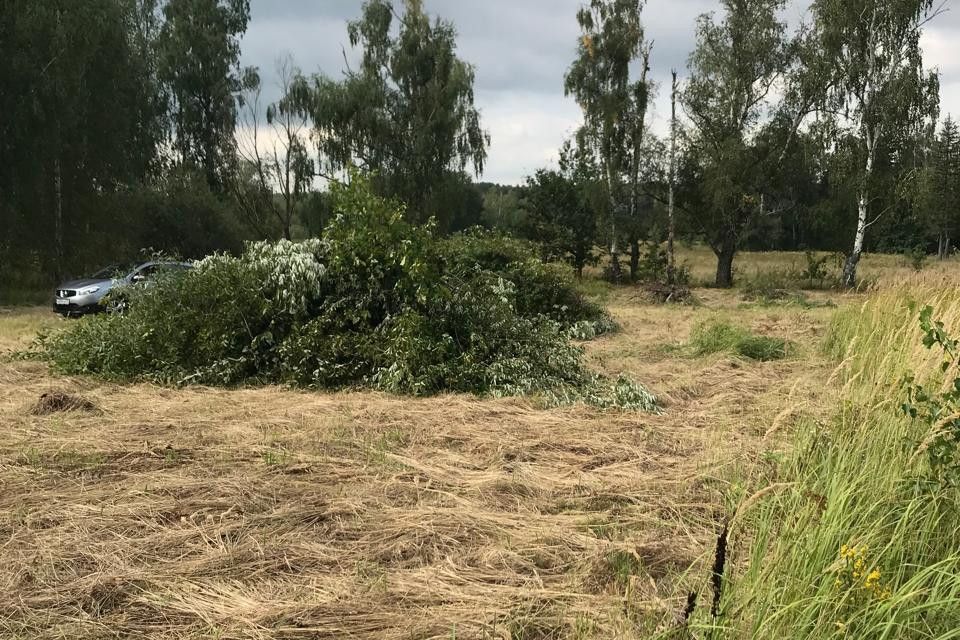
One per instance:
(61,402)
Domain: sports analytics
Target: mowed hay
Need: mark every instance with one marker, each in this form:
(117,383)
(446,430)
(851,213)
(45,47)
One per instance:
(271,513)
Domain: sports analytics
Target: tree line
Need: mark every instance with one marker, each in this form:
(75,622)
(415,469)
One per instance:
(131,125)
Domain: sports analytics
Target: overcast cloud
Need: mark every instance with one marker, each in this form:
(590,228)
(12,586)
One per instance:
(521,49)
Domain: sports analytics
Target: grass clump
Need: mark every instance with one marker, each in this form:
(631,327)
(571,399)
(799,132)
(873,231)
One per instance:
(724,337)
(375,303)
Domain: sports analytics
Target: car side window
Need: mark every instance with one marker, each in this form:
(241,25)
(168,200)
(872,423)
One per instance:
(145,273)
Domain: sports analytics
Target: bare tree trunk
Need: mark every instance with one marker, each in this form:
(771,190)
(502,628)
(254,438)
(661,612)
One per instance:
(615,271)
(58,214)
(671,226)
(863,203)
(634,258)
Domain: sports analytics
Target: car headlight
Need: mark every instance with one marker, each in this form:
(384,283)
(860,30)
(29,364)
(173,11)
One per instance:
(88,290)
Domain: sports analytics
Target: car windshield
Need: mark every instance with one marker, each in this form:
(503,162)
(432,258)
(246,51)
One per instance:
(114,271)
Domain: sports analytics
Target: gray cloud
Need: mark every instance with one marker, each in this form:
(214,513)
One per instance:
(521,50)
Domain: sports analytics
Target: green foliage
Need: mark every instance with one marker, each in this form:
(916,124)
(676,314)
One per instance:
(376,303)
(736,61)
(816,270)
(773,285)
(561,216)
(651,267)
(198,61)
(546,289)
(868,66)
(724,337)
(939,188)
(614,107)
(938,410)
(82,117)
(407,113)
(916,258)
(597,391)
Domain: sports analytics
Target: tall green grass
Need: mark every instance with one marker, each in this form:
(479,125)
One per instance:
(858,481)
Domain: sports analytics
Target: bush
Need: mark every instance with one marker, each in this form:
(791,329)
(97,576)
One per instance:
(916,258)
(816,272)
(719,337)
(376,303)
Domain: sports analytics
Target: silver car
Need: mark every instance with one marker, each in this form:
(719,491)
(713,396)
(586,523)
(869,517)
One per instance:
(86,295)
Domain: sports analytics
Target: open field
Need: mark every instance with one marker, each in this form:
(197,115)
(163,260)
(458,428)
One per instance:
(873,266)
(259,513)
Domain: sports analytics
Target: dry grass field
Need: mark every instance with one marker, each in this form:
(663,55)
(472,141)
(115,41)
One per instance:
(273,513)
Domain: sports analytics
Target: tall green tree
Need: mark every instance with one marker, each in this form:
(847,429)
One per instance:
(941,188)
(198,62)
(276,169)
(876,87)
(734,69)
(614,106)
(81,120)
(561,206)
(407,113)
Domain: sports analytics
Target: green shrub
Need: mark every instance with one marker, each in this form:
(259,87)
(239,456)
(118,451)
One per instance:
(767,286)
(816,271)
(720,337)
(781,284)
(916,258)
(376,303)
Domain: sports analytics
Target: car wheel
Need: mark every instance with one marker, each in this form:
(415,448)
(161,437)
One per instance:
(117,305)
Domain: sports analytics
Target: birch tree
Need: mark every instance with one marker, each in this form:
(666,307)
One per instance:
(672,179)
(877,87)
(614,108)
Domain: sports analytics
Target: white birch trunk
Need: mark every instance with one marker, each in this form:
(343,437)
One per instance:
(58,214)
(863,202)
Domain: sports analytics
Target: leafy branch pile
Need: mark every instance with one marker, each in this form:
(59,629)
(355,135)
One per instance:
(376,303)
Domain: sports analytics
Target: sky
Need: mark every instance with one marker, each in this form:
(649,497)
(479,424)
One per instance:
(520,50)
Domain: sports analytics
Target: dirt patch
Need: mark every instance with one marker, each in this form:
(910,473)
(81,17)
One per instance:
(60,402)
